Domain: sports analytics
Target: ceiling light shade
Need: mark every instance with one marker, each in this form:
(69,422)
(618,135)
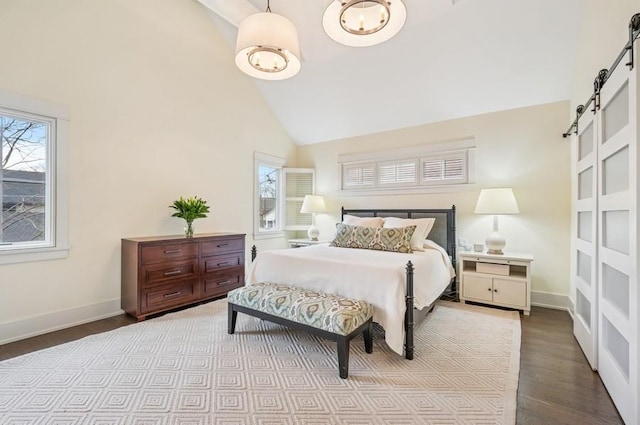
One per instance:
(361,23)
(267,47)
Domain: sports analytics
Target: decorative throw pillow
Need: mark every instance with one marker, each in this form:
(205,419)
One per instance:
(352,220)
(423,227)
(377,238)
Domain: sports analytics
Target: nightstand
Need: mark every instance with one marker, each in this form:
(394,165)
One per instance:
(502,280)
(297,243)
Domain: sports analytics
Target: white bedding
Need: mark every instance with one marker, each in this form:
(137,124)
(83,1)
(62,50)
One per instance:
(374,276)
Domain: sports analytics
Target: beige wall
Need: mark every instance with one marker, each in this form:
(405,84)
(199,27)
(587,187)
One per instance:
(157,110)
(521,148)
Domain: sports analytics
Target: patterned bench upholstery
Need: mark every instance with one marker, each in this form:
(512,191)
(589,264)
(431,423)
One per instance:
(325,315)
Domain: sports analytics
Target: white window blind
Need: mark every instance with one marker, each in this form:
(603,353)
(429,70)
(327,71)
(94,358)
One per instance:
(444,170)
(397,173)
(298,182)
(410,169)
(358,176)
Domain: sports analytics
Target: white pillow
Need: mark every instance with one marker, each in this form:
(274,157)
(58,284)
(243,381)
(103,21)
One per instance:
(423,227)
(352,220)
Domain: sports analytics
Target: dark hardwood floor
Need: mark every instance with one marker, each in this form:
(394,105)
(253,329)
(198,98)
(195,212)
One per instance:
(556,386)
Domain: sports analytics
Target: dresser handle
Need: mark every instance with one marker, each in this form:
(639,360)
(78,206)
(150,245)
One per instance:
(495,290)
(489,289)
(171,251)
(172,273)
(223,264)
(173,294)
(224,282)
(223,244)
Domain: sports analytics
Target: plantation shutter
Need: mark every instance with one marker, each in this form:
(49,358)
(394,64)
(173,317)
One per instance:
(397,173)
(297,183)
(358,176)
(447,169)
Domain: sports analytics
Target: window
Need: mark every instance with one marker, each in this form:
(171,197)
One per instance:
(33,217)
(407,170)
(268,187)
(279,195)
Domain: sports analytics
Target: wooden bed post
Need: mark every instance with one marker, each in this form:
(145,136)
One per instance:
(408,315)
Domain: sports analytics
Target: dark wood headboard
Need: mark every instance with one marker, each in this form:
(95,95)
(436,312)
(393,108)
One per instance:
(444,228)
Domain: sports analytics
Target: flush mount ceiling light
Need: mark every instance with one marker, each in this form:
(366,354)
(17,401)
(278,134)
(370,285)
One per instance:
(360,23)
(267,46)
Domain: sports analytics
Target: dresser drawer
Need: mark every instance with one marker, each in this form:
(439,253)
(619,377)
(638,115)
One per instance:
(222,246)
(222,282)
(168,252)
(168,296)
(158,274)
(220,262)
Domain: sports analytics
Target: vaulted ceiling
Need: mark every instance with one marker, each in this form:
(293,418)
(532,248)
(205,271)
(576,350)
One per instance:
(453,58)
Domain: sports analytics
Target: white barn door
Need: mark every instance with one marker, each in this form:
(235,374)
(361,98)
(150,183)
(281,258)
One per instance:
(584,237)
(617,256)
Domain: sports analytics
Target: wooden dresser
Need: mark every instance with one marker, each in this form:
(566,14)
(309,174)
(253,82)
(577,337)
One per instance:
(165,272)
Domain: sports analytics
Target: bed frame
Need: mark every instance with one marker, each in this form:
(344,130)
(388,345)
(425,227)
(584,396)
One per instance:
(443,233)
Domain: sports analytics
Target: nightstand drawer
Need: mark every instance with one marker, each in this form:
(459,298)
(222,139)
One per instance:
(492,268)
(159,253)
(166,272)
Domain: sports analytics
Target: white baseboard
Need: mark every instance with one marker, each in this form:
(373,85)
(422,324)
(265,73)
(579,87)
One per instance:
(549,300)
(50,322)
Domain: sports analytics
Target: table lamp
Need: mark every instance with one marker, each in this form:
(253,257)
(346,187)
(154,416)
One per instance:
(313,204)
(496,201)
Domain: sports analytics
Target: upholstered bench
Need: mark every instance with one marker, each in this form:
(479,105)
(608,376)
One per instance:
(324,315)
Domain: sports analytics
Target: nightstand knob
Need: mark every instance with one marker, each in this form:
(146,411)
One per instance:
(495,290)
(489,289)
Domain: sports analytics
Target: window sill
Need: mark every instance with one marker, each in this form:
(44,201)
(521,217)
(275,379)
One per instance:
(28,255)
(444,188)
(270,235)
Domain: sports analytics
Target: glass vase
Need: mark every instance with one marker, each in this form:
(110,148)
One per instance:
(188,231)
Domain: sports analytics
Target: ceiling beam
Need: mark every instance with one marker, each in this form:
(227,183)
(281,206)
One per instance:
(231,11)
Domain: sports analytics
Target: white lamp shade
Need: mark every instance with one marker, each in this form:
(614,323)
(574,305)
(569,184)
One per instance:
(497,201)
(267,47)
(313,204)
(331,21)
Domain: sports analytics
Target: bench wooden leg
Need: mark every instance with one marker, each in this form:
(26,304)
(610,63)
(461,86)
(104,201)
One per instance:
(368,337)
(231,320)
(343,356)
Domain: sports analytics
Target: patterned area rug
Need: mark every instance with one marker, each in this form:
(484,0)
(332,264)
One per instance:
(183,368)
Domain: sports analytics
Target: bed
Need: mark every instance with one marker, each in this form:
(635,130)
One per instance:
(393,282)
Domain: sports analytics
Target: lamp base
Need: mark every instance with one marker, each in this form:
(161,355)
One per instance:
(313,233)
(495,243)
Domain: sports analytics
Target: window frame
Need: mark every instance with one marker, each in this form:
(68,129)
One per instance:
(464,149)
(274,162)
(56,244)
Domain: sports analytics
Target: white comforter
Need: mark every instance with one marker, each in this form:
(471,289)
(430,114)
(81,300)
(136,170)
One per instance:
(374,276)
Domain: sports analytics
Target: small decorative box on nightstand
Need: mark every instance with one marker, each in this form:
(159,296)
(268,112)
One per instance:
(503,280)
(297,243)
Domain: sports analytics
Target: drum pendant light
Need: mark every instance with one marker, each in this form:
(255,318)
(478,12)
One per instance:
(267,46)
(360,23)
